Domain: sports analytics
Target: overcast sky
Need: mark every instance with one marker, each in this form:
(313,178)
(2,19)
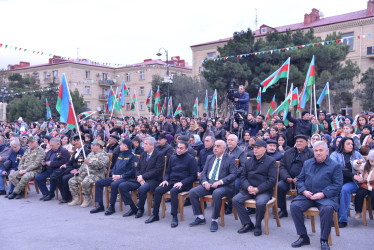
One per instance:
(128,32)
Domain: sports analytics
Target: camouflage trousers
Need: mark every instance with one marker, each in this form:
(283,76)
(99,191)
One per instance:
(20,181)
(86,183)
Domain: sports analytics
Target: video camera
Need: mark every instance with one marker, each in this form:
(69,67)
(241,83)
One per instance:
(232,93)
(237,117)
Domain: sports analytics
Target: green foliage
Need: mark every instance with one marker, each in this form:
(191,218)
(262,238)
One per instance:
(253,69)
(28,107)
(366,94)
(78,101)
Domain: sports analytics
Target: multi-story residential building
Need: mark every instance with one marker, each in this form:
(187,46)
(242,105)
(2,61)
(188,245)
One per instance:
(354,24)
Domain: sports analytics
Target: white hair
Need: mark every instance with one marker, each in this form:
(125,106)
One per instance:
(319,143)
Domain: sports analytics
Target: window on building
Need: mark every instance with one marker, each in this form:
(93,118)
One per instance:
(212,55)
(36,74)
(86,90)
(263,30)
(88,74)
(348,40)
(128,92)
(46,75)
(55,74)
(141,90)
(127,106)
(128,77)
(88,105)
(105,76)
(142,106)
(142,75)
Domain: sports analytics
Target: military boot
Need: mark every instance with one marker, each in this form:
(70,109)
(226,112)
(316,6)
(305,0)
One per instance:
(86,201)
(75,201)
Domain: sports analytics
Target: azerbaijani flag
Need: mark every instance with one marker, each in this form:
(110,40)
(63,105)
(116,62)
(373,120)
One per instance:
(119,123)
(206,103)
(354,124)
(126,134)
(335,124)
(295,97)
(157,106)
(85,114)
(178,110)
(309,82)
(271,109)
(148,102)
(163,110)
(124,91)
(64,105)
(49,113)
(259,101)
(282,72)
(43,126)
(111,99)
(170,112)
(214,99)
(117,104)
(131,121)
(133,101)
(196,107)
(325,91)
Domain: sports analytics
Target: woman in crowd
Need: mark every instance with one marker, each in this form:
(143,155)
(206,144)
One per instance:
(274,133)
(361,121)
(282,144)
(219,132)
(345,156)
(348,131)
(314,139)
(194,128)
(204,131)
(66,143)
(245,141)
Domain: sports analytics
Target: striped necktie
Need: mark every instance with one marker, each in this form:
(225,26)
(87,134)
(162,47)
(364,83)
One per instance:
(215,170)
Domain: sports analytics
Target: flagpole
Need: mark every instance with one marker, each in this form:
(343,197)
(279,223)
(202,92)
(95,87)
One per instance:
(77,126)
(329,98)
(315,102)
(137,104)
(216,111)
(288,74)
(89,115)
(113,103)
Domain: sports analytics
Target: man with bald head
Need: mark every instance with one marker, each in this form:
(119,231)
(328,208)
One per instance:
(217,179)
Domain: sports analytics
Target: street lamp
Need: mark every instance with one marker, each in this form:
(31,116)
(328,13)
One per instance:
(167,65)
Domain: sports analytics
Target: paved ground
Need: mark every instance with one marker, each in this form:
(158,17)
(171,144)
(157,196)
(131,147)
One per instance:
(33,224)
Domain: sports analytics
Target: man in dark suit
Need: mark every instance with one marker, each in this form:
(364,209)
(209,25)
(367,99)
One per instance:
(54,159)
(148,176)
(318,185)
(217,179)
(257,180)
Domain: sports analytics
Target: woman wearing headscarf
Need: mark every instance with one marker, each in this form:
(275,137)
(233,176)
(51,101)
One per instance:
(345,156)
(204,131)
(327,138)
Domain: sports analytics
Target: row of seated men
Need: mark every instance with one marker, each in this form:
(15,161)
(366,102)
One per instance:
(216,169)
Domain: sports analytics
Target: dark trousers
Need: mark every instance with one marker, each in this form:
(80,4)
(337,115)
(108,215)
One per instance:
(160,190)
(298,207)
(283,187)
(125,188)
(105,182)
(63,186)
(360,196)
(237,186)
(217,194)
(261,200)
(40,180)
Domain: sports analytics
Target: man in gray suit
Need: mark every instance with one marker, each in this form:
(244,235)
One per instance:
(217,179)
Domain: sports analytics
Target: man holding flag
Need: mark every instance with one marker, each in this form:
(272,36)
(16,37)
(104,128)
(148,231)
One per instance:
(302,126)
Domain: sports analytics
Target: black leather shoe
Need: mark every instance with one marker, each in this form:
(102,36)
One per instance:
(187,202)
(48,198)
(6,196)
(257,231)
(214,226)
(129,213)
(43,197)
(246,228)
(110,210)
(20,195)
(3,192)
(343,224)
(301,242)
(325,245)
(97,210)
(12,196)
(139,214)
(198,221)
(228,210)
(282,214)
(153,218)
(62,201)
(174,221)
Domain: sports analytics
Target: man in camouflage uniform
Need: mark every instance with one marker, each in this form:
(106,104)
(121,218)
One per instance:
(96,162)
(28,168)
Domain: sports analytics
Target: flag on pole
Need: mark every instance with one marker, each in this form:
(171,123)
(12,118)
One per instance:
(282,72)
(335,124)
(124,91)
(148,101)
(325,91)
(49,113)
(133,101)
(308,84)
(111,99)
(64,105)
(85,114)
(271,109)
(131,121)
(117,104)
(170,112)
(259,101)
(119,123)
(126,134)
(178,110)
(163,110)
(157,106)
(43,126)
(354,125)
(214,99)
(206,103)
(295,97)
(196,108)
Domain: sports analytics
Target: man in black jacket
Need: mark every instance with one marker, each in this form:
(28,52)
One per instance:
(54,159)
(148,176)
(113,147)
(204,153)
(272,151)
(163,147)
(123,170)
(257,180)
(302,126)
(165,126)
(179,176)
(290,168)
(217,179)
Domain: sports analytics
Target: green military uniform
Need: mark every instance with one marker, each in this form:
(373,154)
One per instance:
(97,166)
(32,163)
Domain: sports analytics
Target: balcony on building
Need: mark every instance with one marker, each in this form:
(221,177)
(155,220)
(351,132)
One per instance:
(370,52)
(106,82)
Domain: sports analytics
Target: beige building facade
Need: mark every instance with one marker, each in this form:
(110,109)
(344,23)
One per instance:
(359,23)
